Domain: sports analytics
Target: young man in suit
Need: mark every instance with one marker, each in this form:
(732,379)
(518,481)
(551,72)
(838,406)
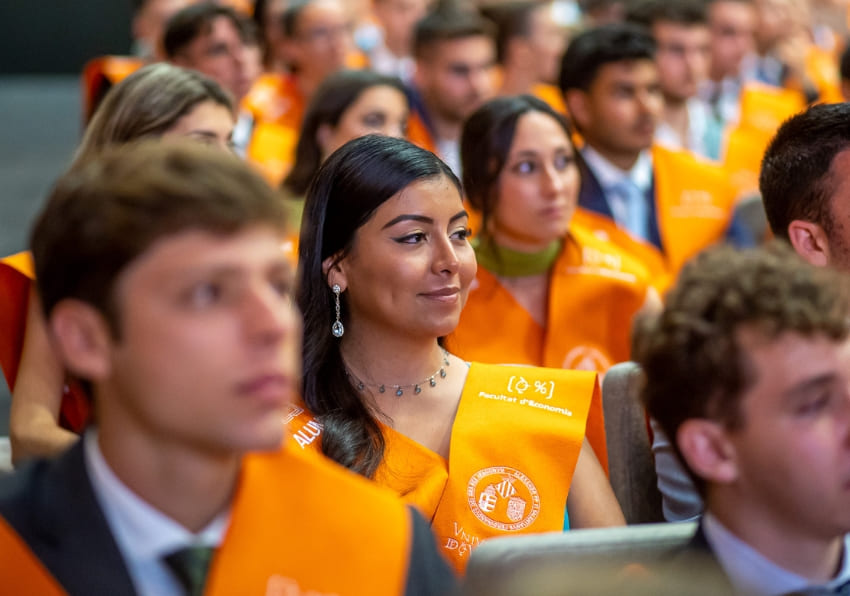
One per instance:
(655,202)
(165,289)
(748,369)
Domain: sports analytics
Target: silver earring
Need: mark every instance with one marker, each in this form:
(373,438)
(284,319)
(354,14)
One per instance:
(337,329)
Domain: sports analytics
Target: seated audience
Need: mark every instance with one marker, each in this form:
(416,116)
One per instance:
(384,270)
(748,367)
(159,100)
(563,298)
(177,309)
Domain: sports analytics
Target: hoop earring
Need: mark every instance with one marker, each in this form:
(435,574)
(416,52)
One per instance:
(337,329)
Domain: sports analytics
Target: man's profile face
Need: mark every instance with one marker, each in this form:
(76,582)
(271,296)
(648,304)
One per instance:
(792,450)
(621,108)
(682,57)
(208,356)
(456,76)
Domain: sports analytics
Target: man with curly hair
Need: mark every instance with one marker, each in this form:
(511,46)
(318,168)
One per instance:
(748,370)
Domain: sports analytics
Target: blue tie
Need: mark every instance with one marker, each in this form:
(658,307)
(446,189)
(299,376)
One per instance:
(636,209)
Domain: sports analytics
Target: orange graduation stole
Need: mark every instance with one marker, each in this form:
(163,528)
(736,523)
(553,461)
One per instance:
(595,289)
(303,525)
(514,447)
(515,442)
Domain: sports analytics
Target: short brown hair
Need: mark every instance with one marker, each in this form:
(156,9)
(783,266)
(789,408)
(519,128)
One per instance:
(108,210)
(692,361)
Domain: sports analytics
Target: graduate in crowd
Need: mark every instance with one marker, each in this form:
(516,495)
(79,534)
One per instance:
(385,267)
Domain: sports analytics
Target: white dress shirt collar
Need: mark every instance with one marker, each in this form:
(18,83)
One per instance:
(609,175)
(143,533)
(753,574)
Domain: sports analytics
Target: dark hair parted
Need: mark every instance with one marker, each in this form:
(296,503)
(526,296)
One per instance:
(485,143)
(148,103)
(682,12)
(691,356)
(352,183)
(108,210)
(291,14)
(796,181)
(448,23)
(331,100)
(195,20)
(512,20)
(593,48)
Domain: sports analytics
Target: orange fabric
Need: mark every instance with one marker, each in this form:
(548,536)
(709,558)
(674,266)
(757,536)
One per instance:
(101,71)
(763,110)
(606,230)
(595,289)
(823,68)
(275,98)
(302,525)
(502,486)
(418,133)
(16,275)
(530,404)
(20,571)
(271,150)
(694,203)
(764,107)
(551,95)
(277,107)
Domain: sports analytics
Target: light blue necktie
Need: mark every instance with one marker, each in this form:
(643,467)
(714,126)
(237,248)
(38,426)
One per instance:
(636,208)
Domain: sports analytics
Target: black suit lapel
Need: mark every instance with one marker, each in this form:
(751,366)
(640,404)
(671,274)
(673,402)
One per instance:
(70,533)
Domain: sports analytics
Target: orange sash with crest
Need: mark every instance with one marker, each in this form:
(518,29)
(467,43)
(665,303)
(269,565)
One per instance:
(515,442)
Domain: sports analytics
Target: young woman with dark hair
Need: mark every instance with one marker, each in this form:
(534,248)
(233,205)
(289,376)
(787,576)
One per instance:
(385,268)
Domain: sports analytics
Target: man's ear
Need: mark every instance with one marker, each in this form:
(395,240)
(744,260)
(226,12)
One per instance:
(578,105)
(334,270)
(810,242)
(82,338)
(707,450)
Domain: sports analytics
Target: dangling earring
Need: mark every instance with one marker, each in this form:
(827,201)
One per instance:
(337,329)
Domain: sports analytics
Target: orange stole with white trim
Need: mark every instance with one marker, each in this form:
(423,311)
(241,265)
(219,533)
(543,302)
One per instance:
(515,443)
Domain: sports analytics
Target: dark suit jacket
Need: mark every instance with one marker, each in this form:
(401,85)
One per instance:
(592,197)
(51,504)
